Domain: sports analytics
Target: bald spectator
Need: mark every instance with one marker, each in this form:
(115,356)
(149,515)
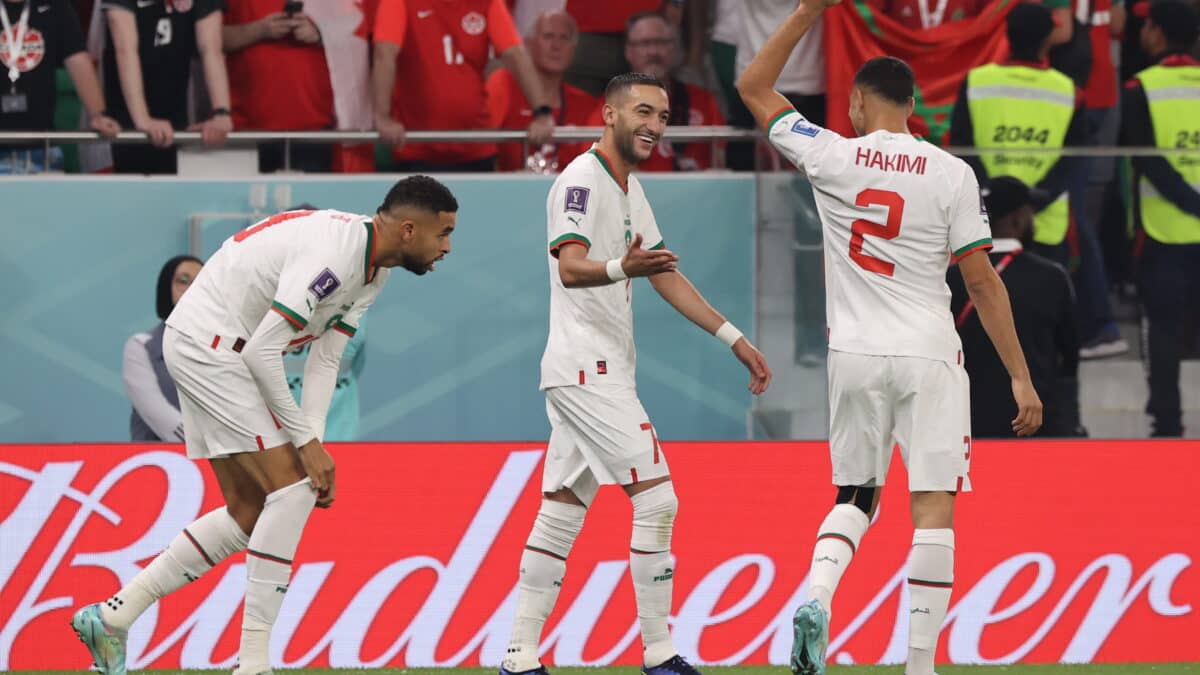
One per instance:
(652,46)
(551,42)
(602,26)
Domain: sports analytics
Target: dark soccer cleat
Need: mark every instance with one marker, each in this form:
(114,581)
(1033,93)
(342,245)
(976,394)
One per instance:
(676,665)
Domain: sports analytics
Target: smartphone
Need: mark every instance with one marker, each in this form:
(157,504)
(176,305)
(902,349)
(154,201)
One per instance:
(293,7)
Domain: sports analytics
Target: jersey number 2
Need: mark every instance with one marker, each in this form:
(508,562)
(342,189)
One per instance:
(894,204)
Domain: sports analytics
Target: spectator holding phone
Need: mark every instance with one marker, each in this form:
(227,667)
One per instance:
(275,54)
(147,67)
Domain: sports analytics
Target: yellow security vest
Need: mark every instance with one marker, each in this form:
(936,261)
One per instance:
(1015,107)
(1173,93)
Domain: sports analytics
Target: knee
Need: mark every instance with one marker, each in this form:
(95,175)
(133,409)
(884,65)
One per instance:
(654,514)
(933,510)
(556,527)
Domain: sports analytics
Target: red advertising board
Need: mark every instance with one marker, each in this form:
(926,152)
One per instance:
(1066,551)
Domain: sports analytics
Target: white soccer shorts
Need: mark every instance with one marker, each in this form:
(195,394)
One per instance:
(923,405)
(222,409)
(600,435)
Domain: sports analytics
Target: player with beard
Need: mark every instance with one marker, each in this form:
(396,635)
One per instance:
(295,278)
(601,234)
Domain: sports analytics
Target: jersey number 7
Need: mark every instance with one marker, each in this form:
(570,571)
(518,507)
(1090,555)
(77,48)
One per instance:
(894,204)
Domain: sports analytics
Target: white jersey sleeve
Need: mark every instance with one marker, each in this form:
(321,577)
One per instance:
(309,276)
(325,359)
(572,210)
(969,227)
(801,142)
(263,356)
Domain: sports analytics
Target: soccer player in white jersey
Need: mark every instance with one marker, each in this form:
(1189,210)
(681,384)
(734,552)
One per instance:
(601,234)
(294,278)
(894,211)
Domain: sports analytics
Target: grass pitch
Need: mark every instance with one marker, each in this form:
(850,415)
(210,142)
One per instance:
(1041,669)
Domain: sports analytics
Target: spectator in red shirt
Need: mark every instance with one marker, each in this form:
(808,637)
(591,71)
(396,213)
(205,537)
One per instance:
(551,42)
(925,14)
(652,47)
(274,57)
(428,74)
(602,37)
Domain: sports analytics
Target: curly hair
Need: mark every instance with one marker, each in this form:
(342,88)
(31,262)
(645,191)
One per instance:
(422,192)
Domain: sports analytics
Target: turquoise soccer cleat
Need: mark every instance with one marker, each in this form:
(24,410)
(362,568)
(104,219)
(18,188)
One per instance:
(106,644)
(810,639)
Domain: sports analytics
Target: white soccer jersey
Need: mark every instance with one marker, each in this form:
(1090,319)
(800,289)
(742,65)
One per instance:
(313,268)
(591,329)
(894,211)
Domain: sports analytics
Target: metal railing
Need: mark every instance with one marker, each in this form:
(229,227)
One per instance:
(568,134)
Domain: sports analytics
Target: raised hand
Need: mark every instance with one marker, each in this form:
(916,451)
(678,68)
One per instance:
(640,262)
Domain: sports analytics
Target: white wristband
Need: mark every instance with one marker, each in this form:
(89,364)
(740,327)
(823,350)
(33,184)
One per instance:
(615,271)
(729,334)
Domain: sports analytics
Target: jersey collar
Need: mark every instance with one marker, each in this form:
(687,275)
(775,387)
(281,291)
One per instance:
(1036,65)
(369,268)
(1178,59)
(604,162)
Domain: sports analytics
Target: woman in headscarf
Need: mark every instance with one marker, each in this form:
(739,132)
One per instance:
(150,388)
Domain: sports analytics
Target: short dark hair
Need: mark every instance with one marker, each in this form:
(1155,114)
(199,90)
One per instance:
(1178,21)
(622,83)
(422,192)
(887,76)
(636,18)
(1028,27)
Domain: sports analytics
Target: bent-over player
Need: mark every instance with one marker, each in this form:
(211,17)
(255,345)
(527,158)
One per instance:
(294,278)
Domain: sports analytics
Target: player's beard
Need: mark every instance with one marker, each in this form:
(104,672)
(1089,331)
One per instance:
(627,146)
(414,264)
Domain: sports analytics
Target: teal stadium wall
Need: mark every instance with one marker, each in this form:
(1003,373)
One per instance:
(451,356)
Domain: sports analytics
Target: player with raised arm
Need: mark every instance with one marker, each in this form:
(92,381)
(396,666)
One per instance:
(894,212)
(294,278)
(601,234)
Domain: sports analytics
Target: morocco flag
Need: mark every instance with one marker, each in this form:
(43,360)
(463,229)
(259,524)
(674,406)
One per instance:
(940,57)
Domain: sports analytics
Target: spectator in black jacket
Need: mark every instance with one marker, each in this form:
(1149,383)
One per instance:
(1043,306)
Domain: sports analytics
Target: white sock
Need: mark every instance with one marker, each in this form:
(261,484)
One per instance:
(837,540)
(543,566)
(269,568)
(194,551)
(651,568)
(930,576)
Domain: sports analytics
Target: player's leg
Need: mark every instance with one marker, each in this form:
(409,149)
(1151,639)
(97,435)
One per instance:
(930,576)
(102,627)
(614,435)
(289,499)
(860,449)
(198,548)
(933,429)
(568,487)
(654,509)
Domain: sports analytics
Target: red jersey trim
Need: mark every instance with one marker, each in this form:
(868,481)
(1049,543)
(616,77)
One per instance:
(604,162)
(779,114)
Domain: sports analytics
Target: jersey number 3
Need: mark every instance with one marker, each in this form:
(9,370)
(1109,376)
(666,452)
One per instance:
(894,204)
